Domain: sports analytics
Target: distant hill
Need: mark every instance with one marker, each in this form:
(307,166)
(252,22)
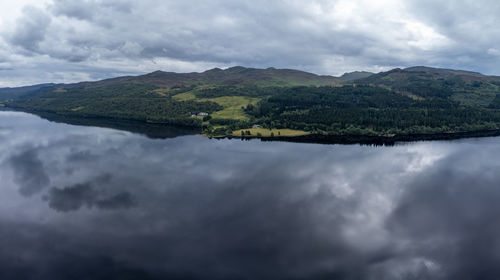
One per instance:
(234,76)
(442,71)
(398,75)
(17,92)
(356,75)
(468,88)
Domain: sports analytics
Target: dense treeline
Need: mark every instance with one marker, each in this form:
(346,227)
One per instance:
(130,90)
(428,87)
(129,101)
(368,110)
(250,91)
(468,88)
(342,97)
(495,104)
(341,110)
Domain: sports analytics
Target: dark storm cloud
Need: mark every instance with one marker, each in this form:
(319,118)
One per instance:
(78,9)
(85,10)
(29,172)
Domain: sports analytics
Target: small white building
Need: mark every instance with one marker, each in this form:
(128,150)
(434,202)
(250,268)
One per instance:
(256,126)
(202,114)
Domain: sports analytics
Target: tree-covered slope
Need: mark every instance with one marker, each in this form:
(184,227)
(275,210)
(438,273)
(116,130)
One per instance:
(468,88)
(417,100)
(19,92)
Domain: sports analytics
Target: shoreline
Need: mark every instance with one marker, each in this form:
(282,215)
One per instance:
(141,126)
(370,140)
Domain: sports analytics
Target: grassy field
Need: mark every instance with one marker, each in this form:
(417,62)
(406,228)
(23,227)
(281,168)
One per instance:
(161,92)
(186,96)
(78,108)
(232,106)
(264,132)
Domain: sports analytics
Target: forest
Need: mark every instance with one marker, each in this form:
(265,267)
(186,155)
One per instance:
(368,110)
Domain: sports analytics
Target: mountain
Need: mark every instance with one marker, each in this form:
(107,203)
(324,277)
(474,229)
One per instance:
(356,75)
(17,92)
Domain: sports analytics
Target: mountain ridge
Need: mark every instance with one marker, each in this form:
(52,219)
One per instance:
(238,76)
(245,76)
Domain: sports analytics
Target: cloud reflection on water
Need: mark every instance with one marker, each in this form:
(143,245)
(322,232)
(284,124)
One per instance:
(120,206)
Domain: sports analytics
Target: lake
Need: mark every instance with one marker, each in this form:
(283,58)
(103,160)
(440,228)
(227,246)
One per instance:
(84,202)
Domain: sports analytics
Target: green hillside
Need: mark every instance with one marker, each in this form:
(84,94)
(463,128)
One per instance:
(417,100)
(154,97)
(468,88)
(19,92)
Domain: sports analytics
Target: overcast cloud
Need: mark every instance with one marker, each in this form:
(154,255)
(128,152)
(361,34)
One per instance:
(67,41)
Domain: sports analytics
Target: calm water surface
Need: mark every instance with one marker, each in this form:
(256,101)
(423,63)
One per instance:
(96,203)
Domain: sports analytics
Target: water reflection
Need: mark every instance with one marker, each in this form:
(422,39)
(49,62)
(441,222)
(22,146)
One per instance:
(151,130)
(96,203)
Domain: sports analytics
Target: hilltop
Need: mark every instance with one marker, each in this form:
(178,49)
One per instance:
(234,76)
(356,75)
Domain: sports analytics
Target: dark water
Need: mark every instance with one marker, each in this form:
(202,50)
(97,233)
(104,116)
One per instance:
(95,203)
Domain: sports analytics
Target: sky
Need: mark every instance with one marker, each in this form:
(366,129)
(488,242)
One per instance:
(68,41)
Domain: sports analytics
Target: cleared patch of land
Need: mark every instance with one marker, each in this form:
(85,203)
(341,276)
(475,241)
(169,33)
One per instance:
(232,106)
(161,92)
(78,108)
(264,132)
